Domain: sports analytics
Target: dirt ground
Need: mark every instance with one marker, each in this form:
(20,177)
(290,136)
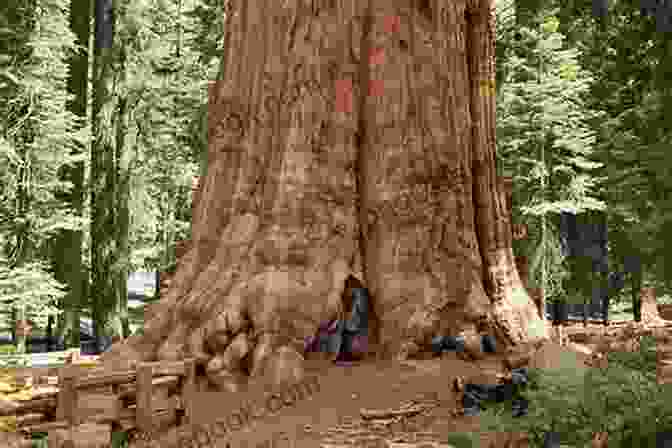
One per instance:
(334,413)
(331,417)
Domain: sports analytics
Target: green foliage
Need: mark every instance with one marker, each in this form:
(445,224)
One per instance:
(167,79)
(629,60)
(164,55)
(595,94)
(37,131)
(208,29)
(118,440)
(544,139)
(462,440)
(37,134)
(543,133)
(32,288)
(13,359)
(7,349)
(624,400)
(557,271)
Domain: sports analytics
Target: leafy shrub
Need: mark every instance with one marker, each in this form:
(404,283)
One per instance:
(32,288)
(7,349)
(12,362)
(9,358)
(462,440)
(623,399)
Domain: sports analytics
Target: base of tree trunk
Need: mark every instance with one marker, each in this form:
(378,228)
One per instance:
(649,306)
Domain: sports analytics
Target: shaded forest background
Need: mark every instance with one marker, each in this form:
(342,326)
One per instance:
(101,142)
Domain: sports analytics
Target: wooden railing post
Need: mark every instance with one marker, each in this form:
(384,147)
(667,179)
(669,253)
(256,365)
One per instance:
(67,398)
(143,404)
(67,402)
(188,390)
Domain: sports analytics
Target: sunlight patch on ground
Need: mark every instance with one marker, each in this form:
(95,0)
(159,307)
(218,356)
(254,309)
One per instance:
(537,329)
(519,297)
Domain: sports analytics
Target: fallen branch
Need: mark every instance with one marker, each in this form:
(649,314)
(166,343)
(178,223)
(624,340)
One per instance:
(8,408)
(427,444)
(369,414)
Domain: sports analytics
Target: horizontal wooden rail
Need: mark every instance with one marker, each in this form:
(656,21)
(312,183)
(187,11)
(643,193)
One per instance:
(25,407)
(129,390)
(126,421)
(125,398)
(161,368)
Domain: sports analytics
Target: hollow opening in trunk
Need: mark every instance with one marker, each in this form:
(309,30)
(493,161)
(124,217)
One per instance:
(352,283)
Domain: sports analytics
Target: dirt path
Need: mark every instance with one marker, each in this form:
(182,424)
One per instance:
(331,417)
(333,413)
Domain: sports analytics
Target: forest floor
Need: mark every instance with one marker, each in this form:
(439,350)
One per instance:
(335,416)
(415,399)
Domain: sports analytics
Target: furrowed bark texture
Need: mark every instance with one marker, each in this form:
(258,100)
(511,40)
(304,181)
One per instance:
(392,180)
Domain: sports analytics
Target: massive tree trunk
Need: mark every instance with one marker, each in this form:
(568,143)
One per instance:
(316,170)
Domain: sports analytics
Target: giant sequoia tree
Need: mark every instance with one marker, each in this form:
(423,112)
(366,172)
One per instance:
(346,136)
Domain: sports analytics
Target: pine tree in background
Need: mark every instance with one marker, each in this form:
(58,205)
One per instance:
(544,140)
(39,138)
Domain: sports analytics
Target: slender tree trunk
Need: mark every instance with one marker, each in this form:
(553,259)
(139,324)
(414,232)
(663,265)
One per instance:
(636,282)
(103,175)
(50,333)
(21,336)
(168,206)
(335,149)
(23,248)
(122,216)
(67,257)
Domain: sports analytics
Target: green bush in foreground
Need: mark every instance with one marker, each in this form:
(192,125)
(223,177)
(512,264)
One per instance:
(623,399)
(118,440)
(7,349)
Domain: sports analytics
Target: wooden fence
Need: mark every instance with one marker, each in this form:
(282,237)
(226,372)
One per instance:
(663,357)
(150,396)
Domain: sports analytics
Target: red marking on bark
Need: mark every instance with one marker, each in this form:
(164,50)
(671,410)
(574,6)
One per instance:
(377,56)
(376,87)
(344,95)
(392,24)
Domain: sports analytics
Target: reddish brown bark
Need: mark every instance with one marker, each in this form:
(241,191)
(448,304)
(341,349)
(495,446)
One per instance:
(399,190)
